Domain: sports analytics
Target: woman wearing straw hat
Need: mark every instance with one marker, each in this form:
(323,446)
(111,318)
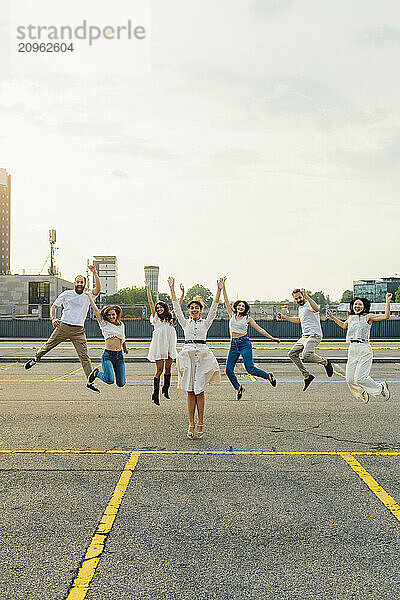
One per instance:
(196,364)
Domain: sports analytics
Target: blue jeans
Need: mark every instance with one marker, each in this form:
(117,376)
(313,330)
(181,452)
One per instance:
(242,346)
(112,363)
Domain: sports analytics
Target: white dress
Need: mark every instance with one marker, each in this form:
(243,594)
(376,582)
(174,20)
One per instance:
(163,342)
(196,364)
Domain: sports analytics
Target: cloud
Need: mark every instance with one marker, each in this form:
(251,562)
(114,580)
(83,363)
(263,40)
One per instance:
(380,35)
(384,156)
(226,165)
(125,144)
(118,174)
(271,8)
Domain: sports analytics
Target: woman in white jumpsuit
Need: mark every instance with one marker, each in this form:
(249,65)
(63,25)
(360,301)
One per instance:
(359,361)
(196,364)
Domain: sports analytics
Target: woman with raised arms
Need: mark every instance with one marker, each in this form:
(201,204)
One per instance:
(113,330)
(239,321)
(196,364)
(162,349)
(359,361)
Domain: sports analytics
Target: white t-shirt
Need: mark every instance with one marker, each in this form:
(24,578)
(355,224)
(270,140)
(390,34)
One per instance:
(310,320)
(111,330)
(75,307)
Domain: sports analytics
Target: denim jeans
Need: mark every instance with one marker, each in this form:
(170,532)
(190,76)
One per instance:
(242,346)
(112,363)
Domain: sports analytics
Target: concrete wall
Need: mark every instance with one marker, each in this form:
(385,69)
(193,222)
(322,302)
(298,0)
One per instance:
(14,291)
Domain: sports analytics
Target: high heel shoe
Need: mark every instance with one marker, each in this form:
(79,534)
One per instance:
(190,432)
(200,434)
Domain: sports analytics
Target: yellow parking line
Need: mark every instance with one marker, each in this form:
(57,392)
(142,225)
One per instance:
(45,451)
(10,365)
(25,380)
(67,375)
(373,485)
(82,581)
(341,453)
(341,374)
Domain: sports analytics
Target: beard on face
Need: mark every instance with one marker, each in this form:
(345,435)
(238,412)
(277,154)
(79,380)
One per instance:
(79,288)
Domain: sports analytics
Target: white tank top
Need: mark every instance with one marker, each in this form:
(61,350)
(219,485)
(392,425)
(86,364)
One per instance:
(358,328)
(238,326)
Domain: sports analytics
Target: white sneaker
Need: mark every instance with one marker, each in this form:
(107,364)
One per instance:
(385,390)
(365,397)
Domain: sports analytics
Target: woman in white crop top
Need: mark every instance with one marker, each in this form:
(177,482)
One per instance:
(162,349)
(113,330)
(359,361)
(241,344)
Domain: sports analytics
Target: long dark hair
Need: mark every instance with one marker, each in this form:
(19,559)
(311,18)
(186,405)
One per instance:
(365,301)
(246,304)
(166,316)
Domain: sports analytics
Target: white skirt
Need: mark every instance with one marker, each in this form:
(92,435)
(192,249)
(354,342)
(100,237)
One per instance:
(197,366)
(163,343)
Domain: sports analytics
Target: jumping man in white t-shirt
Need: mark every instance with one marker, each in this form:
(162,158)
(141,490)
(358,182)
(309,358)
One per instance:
(311,335)
(75,305)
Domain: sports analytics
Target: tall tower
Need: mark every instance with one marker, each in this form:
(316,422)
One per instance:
(5,196)
(151,273)
(107,269)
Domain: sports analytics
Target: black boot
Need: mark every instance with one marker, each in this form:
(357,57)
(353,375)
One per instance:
(156,392)
(167,383)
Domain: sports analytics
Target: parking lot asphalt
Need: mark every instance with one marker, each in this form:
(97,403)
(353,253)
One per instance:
(290,494)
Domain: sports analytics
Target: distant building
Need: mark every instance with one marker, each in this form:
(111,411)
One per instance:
(151,273)
(107,268)
(376,289)
(377,307)
(5,197)
(22,295)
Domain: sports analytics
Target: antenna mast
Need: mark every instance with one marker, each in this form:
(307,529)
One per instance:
(52,239)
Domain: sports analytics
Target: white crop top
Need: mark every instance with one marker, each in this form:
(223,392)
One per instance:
(110,330)
(238,326)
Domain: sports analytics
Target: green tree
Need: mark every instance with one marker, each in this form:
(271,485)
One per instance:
(199,290)
(165,298)
(347,296)
(134,295)
(320,298)
(129,295)
(397,296)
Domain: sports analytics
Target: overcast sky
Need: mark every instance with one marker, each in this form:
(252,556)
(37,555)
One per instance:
(258,139)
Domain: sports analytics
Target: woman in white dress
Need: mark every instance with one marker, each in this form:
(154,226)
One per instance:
(196,364)
(162,349)
(359,361)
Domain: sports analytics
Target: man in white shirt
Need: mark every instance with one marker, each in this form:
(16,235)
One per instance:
(75,306)
(311,335)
